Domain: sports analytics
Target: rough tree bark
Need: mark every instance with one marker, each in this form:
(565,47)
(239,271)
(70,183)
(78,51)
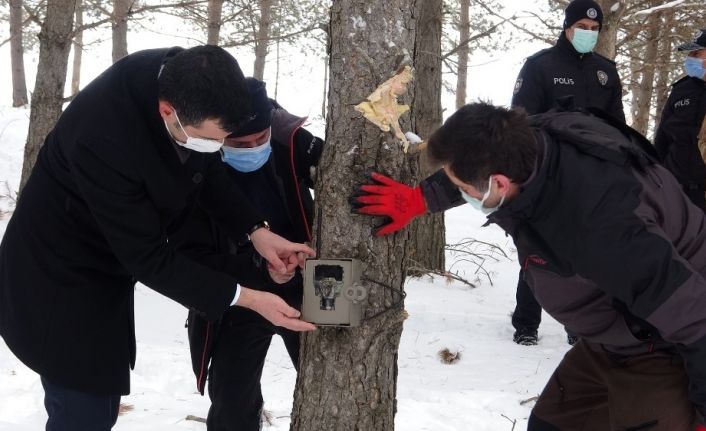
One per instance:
(429,238)
(634,85)
(19,85)
(78,50)
(464,30)
(645,90)
(121,8)
(262,37)
(54,45)
(666,52)
(613,12)
(347,377)
(215,11)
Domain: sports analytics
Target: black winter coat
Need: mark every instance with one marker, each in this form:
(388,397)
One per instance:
(295,154)
(677,136)
(610,246)
(559,76)
(107,190)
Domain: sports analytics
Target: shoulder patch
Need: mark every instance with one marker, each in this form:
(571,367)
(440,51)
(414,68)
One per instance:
(602,77)
(518,86)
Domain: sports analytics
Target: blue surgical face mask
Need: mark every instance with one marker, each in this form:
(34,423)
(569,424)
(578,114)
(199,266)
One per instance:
(694,67)
(584,40)
(247,159)
(479,204)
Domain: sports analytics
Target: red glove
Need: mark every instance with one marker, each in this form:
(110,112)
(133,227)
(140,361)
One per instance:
(388,198)
(700,427)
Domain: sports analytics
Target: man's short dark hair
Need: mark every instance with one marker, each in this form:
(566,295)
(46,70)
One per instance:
(205,83)
(480,140)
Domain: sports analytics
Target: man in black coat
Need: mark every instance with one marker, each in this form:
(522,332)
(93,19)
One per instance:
(569,73)
(131,154)
(272,158)
(677,137)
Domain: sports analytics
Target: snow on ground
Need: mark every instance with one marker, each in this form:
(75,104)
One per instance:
(483,391)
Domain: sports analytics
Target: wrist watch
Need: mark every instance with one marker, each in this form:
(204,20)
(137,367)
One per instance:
(262,224)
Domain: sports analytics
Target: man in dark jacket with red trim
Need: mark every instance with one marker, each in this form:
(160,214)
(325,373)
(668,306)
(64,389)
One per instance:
(272,158)
(134,150)
(612,249)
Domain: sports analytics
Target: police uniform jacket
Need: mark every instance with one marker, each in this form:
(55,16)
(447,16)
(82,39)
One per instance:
(560,75)
(108,188)
(618,258)
(676,139)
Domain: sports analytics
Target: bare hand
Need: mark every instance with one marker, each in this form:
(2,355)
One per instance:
(278,251)
(274,309)
(281,278)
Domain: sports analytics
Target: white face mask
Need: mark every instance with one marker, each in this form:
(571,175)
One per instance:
(201,145)
(478,204)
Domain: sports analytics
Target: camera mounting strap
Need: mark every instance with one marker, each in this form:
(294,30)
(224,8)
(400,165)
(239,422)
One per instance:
(400,293)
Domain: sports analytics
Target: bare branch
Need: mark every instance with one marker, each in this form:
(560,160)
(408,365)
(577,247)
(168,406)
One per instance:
(138,11)
(231,44)
(475,37)
(519,27)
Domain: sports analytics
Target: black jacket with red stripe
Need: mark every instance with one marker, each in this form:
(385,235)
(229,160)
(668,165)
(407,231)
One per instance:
(611,246)
(289,171)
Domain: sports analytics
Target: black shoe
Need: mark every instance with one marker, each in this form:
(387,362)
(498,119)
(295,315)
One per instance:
(525,337)
(571,339)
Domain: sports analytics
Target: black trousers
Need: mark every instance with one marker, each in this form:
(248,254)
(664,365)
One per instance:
(528,312)
(236,369)
(71,410)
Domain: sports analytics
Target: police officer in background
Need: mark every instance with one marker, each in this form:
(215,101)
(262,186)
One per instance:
(569,74)
(677,137)
(570,70)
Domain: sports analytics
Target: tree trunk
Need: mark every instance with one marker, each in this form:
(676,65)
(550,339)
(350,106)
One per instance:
(78,51)
(665,55)
(634,87)
(215,11)
(19,85)
(649,57)
(277,59)
(464,29)
(427,250)
(263,34)
(606,45)
(325,92)
(120,15)
(347,377)
(47,99)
